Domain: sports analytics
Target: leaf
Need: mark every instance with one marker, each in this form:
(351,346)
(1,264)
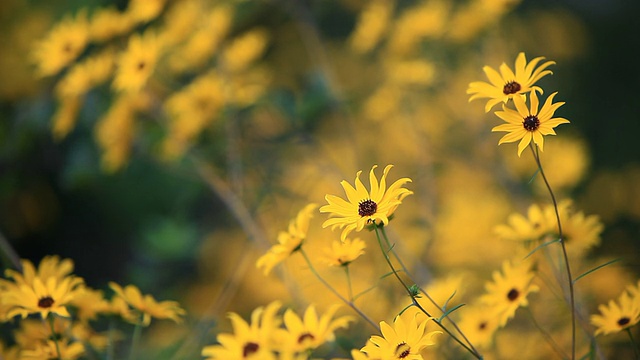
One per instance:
(596,268)
(446,313)
(541,246)
(534,176)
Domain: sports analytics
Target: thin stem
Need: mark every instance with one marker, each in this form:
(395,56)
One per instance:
(633,344)
(335,292)
(135,339)
(54,336)
(548,338)
(536,156)
(406,271)
(413,298)
(346,271)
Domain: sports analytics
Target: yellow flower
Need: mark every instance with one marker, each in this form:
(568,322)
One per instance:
(617,316)
(363,207)
(310,331)
(342,253)
(64,120)
(51,266)
(137,63)
(288,241)
(147,306)
(141,11)
(579,231)
(371,25)
(526,125)
(402,341)
(249,340)
(89,303)
(41,297)
(64,43)
(244,49)
(108,23)
(479,324)
(61,349)
(86,75)
(509,290)
(529,228)
(506,84)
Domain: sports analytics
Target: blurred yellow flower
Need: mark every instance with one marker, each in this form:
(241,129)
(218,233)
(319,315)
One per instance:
(509,290)
(521,228)
(146,307)
(50,349)
(244,49)
(288,241)
(83,76)
(64,119)
(107,23)
(403,340)
(580,232)
(89,303)
(115,132)
(371,25)
(142,11)
(363,207)
(63,44)
(617,316)
(254,340)
(529,124)
(506,84)
(137,63)
(310,331)
(342,253)
(479,324)
(41,297)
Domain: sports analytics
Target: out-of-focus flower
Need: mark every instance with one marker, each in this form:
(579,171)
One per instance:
(142,11)
(342,253)
(146,307)
(479,324)
(107,23)
(371,25)
(137,63)
(506,84)
(50,349)
(243,50)
(362,206)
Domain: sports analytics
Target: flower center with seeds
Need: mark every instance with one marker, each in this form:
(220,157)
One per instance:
(531,123)
(513,294)
(403,350)
(46,302)
(249,348)
(511,87)
(367,208)
(624,321)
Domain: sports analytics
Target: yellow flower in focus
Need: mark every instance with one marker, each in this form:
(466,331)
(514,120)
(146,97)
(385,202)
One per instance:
(51,266)
(371,25)
(137,63)
(529,124)
(617,316)
(244,49)
(146,306)
(50,349)
(363,207)
(509,290)
(479,324)
(252,340)
(506,84)
(41,297)
(310,331)
(342,253)
(63,44)
(288,241)
(402,341)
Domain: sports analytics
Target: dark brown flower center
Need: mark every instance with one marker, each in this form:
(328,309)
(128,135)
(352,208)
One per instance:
(141,65)
(511,87)
(403,350)
(531,123)
(367,208)
(624,321)
(249,348)
(304,337)
(482,325)
(45,302)
(513,294)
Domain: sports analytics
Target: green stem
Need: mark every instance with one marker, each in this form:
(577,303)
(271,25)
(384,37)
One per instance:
(135,339)
(335,292)
(536,156)
(406,271)
(548,338)
(349,289)
(385,252)
(54,336)
(633,344)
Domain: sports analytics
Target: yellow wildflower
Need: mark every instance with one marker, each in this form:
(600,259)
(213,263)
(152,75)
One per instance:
(342,253)
(617,316)
(146,307)
(244,49)
(403,340)
(137,63)
(371,25)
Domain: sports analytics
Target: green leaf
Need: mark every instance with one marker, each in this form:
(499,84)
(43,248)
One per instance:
(596,268)
(541,246)
(446,313)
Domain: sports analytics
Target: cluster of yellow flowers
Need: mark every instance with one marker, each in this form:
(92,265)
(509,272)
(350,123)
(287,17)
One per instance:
(56,311)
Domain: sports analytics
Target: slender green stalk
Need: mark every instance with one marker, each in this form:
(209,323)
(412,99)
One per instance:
(406,271)
(135,339)
(633,344)
(54,336)
(350,290)
(335,292)
(385,252)
(536,156)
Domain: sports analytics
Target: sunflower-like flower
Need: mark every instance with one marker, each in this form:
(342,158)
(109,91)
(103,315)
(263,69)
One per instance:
(288,241)
(506,84)
(617,316)
(249,340)
(402,341)
(342,253)
(41,297)
(479,324)
(529,124)
(509,290)
(310,331)
(145,306)
(50,266)
(580,232)
(137,63)
(363,207)
(521,228)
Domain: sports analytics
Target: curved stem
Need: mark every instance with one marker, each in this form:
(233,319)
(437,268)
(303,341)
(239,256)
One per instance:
(346,271)
(335,292)
(633,344)
(413,298)
(135,339)
(54,336)
(536,156)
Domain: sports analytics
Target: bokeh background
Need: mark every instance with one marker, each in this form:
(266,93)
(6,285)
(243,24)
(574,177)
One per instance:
(320,97)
